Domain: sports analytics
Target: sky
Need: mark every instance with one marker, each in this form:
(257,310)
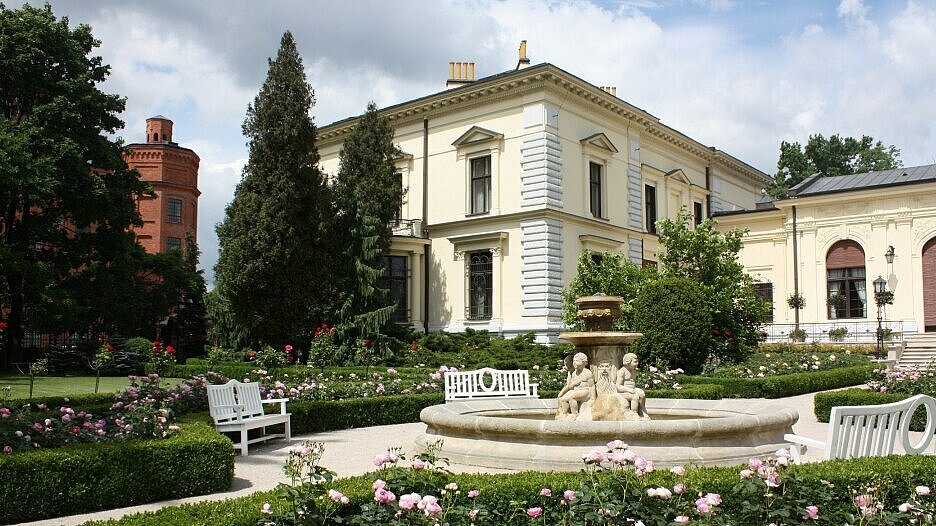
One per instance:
(739,75)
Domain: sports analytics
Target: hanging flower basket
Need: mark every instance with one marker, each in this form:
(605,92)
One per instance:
(796,301)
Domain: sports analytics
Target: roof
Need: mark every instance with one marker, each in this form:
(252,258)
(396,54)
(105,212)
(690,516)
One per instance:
(538,75)
(818,184)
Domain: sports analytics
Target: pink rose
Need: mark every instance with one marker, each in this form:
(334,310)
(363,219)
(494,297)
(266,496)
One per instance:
(410,501)
(569,495)
(382,496)
(811,513)
(535,512)
(679,488)
(378,484)
(681,519)
(473,493)
(7,450)
(545,492)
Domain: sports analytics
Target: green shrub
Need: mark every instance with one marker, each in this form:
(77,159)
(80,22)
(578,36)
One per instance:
(673,316)
(89,477)
(130,357)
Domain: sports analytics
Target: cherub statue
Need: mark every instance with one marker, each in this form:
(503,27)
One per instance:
(579,388)
(627,389)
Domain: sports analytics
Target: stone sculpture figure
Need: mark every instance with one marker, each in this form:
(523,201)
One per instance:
(579,389)
(632,397)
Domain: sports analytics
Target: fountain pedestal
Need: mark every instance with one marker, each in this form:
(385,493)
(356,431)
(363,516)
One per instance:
(605,350)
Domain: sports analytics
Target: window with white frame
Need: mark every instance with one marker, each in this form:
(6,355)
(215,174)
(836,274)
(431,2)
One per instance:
(480,184)
(595,180)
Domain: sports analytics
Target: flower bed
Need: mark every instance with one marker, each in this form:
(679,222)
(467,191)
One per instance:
(88,477)
(614,486)
(143,410)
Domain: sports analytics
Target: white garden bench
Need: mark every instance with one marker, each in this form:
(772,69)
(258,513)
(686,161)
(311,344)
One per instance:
(870,430)
(489,383)
(238,407)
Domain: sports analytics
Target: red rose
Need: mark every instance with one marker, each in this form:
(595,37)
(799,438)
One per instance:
(251,355)
(3,325)
(170,349)
(110,347)
(716,332)
(157,343)
(157,351)
(414,346)
(366,341)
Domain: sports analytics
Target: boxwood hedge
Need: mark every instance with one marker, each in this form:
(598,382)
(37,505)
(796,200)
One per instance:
(782,386)
(88,477)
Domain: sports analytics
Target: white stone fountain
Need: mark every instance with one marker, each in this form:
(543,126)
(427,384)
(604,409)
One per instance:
(547,435)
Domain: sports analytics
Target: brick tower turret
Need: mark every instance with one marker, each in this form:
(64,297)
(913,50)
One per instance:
(173,172)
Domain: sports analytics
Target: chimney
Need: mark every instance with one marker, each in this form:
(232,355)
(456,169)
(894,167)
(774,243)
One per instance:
(460,74)
(523,62)
(609,89)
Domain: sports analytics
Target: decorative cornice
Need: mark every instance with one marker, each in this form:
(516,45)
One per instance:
(543,76)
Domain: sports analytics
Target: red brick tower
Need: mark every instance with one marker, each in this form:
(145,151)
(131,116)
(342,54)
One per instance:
(173,172)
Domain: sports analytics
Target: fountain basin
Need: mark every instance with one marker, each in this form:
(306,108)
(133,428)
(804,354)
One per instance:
(495,433)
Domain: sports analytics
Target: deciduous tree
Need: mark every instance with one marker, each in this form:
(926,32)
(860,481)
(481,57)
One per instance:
(274,266)
(66,196)
(710,258)
(830,157)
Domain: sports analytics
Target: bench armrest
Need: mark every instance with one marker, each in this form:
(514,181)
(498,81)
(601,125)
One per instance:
(280,401)
(800,440)
(534,389)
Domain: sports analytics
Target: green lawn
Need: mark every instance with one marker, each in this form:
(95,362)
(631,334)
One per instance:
(64,385)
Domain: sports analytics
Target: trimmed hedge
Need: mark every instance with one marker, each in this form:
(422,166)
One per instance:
(89,477)
(785,385)
(313,416)
(824,402)
(895,476)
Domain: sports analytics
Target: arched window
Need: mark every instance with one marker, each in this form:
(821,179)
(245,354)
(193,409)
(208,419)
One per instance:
(156,137)
(845,277)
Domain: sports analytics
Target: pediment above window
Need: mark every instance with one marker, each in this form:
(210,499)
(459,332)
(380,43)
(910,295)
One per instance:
(599,244)
(493,241)
(601,141)
(477,135)
(678,175)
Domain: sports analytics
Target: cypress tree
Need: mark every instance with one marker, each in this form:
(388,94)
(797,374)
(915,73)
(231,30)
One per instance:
(272,264)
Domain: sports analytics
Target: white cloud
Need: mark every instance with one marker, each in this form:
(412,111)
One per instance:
(741,79)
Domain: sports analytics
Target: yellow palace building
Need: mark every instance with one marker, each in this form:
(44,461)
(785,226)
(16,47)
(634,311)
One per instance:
(508,178)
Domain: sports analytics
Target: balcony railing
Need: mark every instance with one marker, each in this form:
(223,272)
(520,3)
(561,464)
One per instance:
(830,331)
(408,228)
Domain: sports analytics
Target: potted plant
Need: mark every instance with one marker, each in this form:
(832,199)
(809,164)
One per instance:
(838,334)
(796,301)
(798,335)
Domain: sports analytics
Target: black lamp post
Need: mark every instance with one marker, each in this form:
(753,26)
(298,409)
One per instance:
(880,288)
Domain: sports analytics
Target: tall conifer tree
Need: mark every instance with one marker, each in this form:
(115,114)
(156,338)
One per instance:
(368,194)
(272,266)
